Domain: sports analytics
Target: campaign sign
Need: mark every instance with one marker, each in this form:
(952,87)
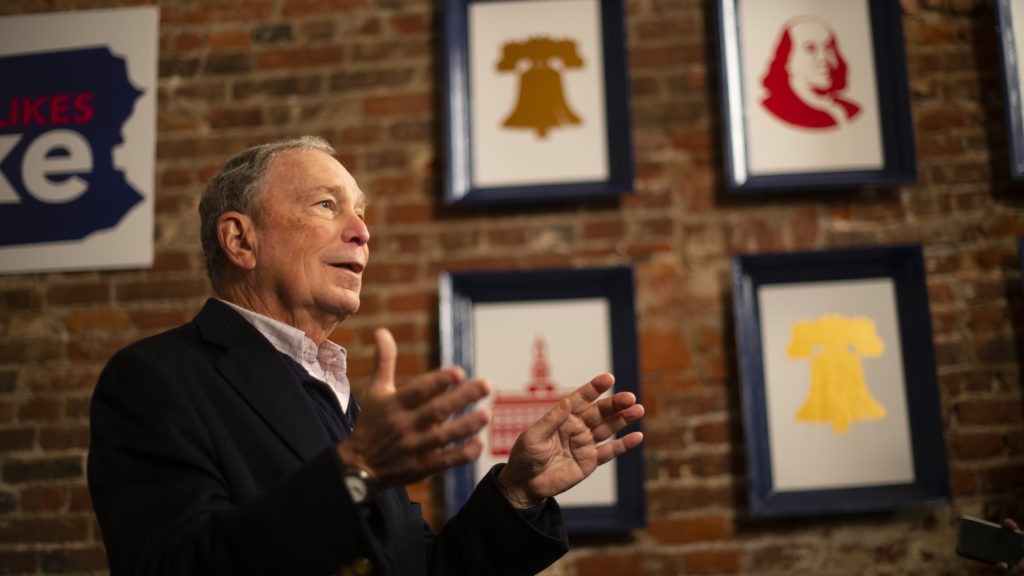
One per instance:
(77,140)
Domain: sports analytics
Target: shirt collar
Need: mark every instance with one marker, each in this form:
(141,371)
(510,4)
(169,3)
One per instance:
(292,341)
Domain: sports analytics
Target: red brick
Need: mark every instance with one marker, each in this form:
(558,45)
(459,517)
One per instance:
(63,379)
(612,229)
(19,300)
(237,39)
(20,471)
(74,560)
(8,381)
(219,12)
(663,350)
(293,58)
(978,446)
(788,558)
(160,289)
(43,498)
(19,561)
(318,8)
(1005,477)
(187,42)
(154,319)
(80,500)
(713,433)
(411,24)
(507,237)
(95,350)
(691,529)
(49,530)
(682,498)
(963,481)
(391,273)
(29,352)
(712,561)
(98,319)
(176,260)
(6,411)
(397,105)
(613,563)
(17,439)
(64,438)
(421,303)
(982,412)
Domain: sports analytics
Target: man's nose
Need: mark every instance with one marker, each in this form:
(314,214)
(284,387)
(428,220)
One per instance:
(356,231)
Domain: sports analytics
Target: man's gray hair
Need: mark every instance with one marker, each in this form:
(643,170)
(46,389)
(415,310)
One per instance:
(235,189)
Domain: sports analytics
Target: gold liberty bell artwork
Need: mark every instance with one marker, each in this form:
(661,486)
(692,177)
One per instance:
(541,104)
(839,392)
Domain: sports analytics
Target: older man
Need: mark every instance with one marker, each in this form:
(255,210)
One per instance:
(229,445)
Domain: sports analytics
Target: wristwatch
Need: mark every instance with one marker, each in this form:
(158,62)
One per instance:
(359,485)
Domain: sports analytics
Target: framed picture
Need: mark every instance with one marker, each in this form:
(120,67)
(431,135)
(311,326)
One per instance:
(1010,24)
(537,336)
(536,100)
(1020,256)
(837,373)
(815,94)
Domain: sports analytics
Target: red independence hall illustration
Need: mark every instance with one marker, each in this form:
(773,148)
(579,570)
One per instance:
(514,412)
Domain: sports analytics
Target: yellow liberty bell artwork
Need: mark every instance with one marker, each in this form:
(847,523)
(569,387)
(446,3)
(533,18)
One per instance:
(836,344)
(541,104)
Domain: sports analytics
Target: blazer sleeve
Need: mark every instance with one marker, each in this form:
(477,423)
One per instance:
(489,536)
(166,506)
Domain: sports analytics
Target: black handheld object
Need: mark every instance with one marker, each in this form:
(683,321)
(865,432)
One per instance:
(988,542)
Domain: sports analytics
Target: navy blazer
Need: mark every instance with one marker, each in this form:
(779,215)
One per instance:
(206,457)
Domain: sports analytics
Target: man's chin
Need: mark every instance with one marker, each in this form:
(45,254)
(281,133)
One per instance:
(348,306)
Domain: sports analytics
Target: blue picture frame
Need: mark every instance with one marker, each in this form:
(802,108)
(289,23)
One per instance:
(461,291)
(904,266)
(1020,256)
(460,164)
(1013,106)
(898,165)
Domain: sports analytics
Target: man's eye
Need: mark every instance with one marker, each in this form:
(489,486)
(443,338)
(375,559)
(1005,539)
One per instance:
(329,204)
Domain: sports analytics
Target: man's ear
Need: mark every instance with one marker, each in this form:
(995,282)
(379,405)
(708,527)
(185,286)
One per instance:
(236,233)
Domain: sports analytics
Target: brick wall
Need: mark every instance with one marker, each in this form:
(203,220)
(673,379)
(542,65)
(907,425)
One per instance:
(363,74)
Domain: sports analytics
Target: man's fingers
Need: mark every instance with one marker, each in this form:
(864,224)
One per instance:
(611,426)
(610,450)
(385,356)
(552,419)
(422,388)
(584,402)
(457,429)
(453,456)
(605,408)
(585,395)
(448,401)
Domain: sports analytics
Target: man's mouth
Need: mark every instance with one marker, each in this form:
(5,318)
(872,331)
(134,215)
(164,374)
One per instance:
(351,266)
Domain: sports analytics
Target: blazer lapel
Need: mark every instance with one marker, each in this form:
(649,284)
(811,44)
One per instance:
(255,369)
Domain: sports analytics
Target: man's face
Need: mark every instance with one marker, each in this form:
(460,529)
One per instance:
(311,239)
(812,58)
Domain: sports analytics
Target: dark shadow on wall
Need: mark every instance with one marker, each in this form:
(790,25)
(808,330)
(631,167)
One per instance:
(993,101)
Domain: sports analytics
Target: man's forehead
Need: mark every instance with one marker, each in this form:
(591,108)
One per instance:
(314,170)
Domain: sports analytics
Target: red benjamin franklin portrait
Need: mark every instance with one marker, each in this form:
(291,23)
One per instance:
(807,77)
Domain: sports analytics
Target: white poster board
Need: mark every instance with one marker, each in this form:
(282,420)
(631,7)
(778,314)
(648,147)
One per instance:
(78,139)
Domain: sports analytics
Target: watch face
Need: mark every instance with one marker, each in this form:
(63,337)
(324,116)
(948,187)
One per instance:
(357,488)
